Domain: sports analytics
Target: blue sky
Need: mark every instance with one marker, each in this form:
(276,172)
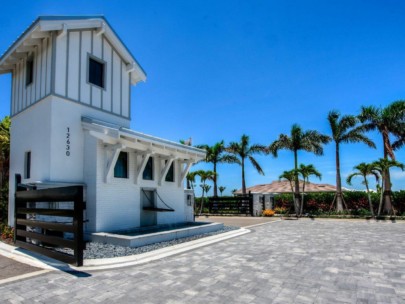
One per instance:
(220,69)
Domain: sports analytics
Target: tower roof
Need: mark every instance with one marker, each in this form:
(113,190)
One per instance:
(42,27)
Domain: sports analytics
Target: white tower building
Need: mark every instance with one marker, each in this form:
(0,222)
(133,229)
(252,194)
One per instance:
(70,118)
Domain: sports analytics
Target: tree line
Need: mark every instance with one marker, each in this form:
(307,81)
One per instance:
(389,121)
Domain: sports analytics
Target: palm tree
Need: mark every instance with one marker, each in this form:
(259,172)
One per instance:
(383,166)
(364,170)
(204,176)
(310,141)
(344,130)
(243,150)
(215,155)
(306,172)
(221,189)
(388,121)
(289,176)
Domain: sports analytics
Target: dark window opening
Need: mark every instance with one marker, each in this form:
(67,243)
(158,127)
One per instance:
(29,72)
(148,171)
(170,173)
(121,167)
(96,72)
(28,164)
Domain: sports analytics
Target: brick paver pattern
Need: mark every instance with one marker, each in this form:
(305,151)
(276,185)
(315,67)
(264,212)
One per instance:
(283,262)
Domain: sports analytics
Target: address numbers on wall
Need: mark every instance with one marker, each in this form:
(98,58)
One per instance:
(67,141)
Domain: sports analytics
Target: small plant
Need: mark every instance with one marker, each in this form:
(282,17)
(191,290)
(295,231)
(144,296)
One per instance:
(280,210)
(268,212)
(7,232)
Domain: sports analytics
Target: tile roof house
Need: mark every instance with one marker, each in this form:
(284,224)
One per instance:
(277,187)
(70,124)
(263,195)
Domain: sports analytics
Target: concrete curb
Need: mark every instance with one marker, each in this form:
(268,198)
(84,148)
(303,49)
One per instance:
(261,224)
(46,263)
(101,264)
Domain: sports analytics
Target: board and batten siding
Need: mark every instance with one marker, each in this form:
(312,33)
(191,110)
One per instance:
(71,72)
(24,96)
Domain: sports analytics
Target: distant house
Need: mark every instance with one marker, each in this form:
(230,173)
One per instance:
(263,195)
(70,117)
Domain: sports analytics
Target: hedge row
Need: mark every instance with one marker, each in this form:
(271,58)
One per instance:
(356,201)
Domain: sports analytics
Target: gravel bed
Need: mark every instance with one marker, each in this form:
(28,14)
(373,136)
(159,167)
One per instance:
(101,251)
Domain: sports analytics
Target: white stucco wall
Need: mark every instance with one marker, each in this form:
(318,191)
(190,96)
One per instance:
(42,129)
(116,205)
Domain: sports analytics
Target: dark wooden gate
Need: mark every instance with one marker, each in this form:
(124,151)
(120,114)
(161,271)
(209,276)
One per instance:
(36,231)
(231,205)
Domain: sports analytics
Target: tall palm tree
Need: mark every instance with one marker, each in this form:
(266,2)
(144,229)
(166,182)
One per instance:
(344,130)
(205,176)
(215,155)
(363,170)
(310,141)
(306,172)
(243,150)
(383,166)
(290,177)
(390,123)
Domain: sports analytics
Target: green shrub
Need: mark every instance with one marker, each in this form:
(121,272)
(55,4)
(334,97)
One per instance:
(356,201)
(6,231)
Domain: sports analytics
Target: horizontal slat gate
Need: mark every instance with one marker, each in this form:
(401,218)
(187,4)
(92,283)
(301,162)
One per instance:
(231,205)
(34,232)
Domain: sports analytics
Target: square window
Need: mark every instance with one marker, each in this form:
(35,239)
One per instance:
(121,166)
(170,174)
(96,72)
(29,77)
(148,171)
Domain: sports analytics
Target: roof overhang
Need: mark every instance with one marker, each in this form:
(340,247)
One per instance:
(111,134)
(43,26)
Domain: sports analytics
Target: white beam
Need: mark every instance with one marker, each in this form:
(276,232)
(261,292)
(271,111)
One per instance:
(25,49)
(63,31)
(105,138)
(130,67)
(15,56)
(7,67)
(32,42)
(40,35)
(142,165)
(184,172)
(165,169)
(52,25)
(101,30)
(112,160)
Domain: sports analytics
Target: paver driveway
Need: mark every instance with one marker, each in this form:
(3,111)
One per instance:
(283,262)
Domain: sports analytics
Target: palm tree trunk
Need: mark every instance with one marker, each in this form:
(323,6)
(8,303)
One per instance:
(297,200)
(215,180)
(381,197)
(387,179)
(302,198)
(202,202)
(243,177)
(369,197)
(339,201)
